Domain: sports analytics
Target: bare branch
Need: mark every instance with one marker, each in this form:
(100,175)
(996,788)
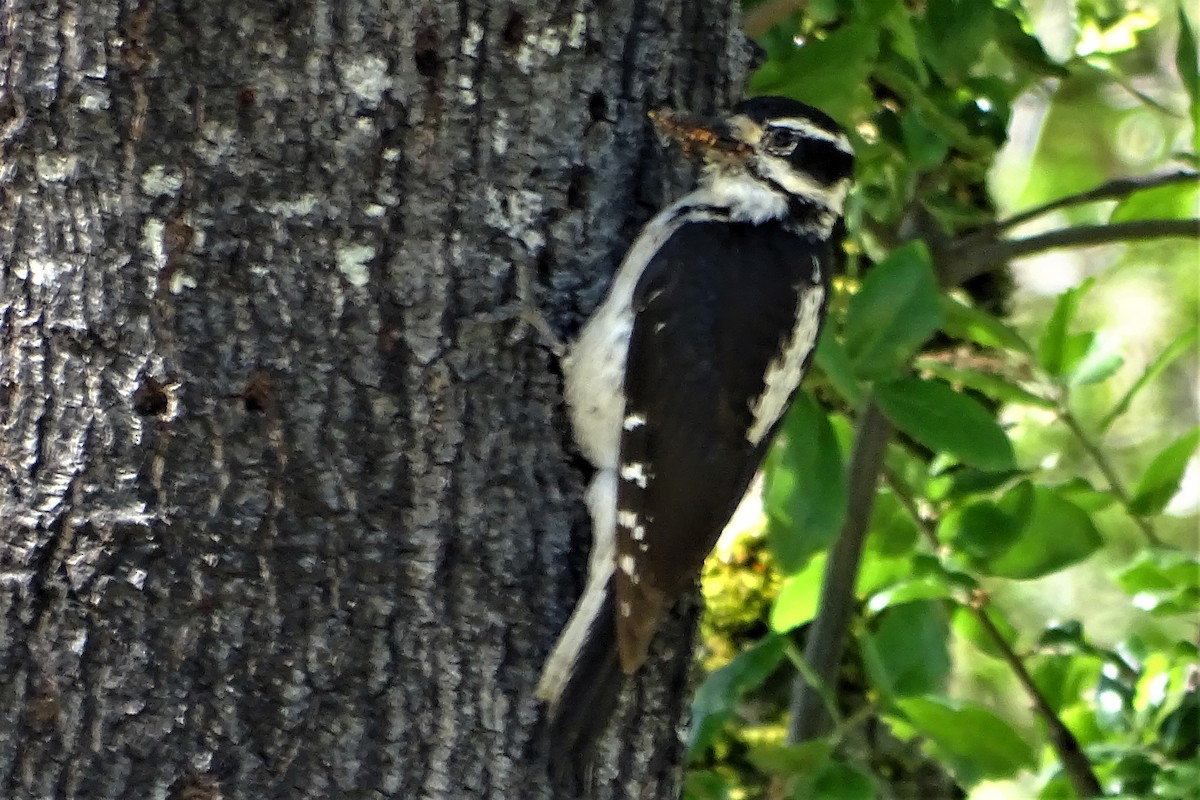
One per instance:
(969,257)
(1116,189)
(823,652)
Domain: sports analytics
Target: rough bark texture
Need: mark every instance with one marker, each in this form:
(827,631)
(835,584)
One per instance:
(284,512)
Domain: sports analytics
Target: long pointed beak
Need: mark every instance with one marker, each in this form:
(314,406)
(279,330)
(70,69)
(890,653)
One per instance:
(709,138)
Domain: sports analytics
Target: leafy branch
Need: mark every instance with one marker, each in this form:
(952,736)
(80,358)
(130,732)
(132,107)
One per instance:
(967,257)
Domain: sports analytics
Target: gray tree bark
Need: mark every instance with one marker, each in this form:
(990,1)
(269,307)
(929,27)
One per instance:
(285,510)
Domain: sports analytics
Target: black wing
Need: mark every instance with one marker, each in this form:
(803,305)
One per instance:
(712,311)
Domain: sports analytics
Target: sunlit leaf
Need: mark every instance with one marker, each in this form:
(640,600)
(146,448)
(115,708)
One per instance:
(906,654)
(1057,534)
(995,386)
(796,603)
(968,322)
(967,627)
(1180,345)
(1173,201)
(976,742)
(945,421)
(804,487)
(1099,361)
(1023,47)
(797,759)
(1161,479)
(719,693)
(1185,61)
(1052,348)
(894,312)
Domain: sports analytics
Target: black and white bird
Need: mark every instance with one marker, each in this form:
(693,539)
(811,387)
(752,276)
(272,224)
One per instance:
(679,379)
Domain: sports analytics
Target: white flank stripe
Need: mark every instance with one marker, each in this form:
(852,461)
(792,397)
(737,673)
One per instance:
(784,373)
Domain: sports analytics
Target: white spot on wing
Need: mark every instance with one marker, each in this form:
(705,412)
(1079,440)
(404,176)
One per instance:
(627,520)
(629,567)
(635,473)
(633,422)
(625,608)
(784,373)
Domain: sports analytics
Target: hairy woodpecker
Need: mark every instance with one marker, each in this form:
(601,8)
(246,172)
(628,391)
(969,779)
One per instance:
(680,377)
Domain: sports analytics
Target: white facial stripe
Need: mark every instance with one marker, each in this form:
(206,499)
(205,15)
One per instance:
(813,131)
(801,185)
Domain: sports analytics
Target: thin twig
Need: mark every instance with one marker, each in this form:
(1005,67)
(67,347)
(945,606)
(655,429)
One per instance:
(826,638)
(1066,746)
(1075,763)
(1116,189)
(967,258)
(1115,484)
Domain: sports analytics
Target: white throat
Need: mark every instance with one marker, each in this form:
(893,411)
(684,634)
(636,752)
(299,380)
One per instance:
(748,199)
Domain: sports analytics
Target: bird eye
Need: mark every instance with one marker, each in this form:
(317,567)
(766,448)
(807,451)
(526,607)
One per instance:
(781,140)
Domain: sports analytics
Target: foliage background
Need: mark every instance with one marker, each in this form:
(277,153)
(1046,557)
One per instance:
(1025,615)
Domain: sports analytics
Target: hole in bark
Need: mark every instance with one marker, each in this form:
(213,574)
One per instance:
(578,187)
(425,54)
(150,398)
(514,29)
(544,265)
(257,394)
(598,106)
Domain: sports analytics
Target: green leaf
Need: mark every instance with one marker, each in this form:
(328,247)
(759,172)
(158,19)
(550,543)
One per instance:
(953,34)
(1172,201)
(1057,534)
(983,529)
(717,696)
(1052,349)
(928,587)
(996,387)
(968,628)
(895,311)
(976,743)
(1084,495)
(838,781)
(907,654)
(705,784)
(968,322)
(796,603)
(1099,361)
(829,73)
(832,359)
(1174,350)
(925,148)
(1161,572)
(1024,48)
(804,488)
(1185,60)
(945,421)
(963,482)
(797,759)
(1161,480)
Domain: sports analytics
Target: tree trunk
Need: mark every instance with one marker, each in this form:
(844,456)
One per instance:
(287,510)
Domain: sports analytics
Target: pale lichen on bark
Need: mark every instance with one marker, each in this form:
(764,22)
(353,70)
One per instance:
(279,514)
